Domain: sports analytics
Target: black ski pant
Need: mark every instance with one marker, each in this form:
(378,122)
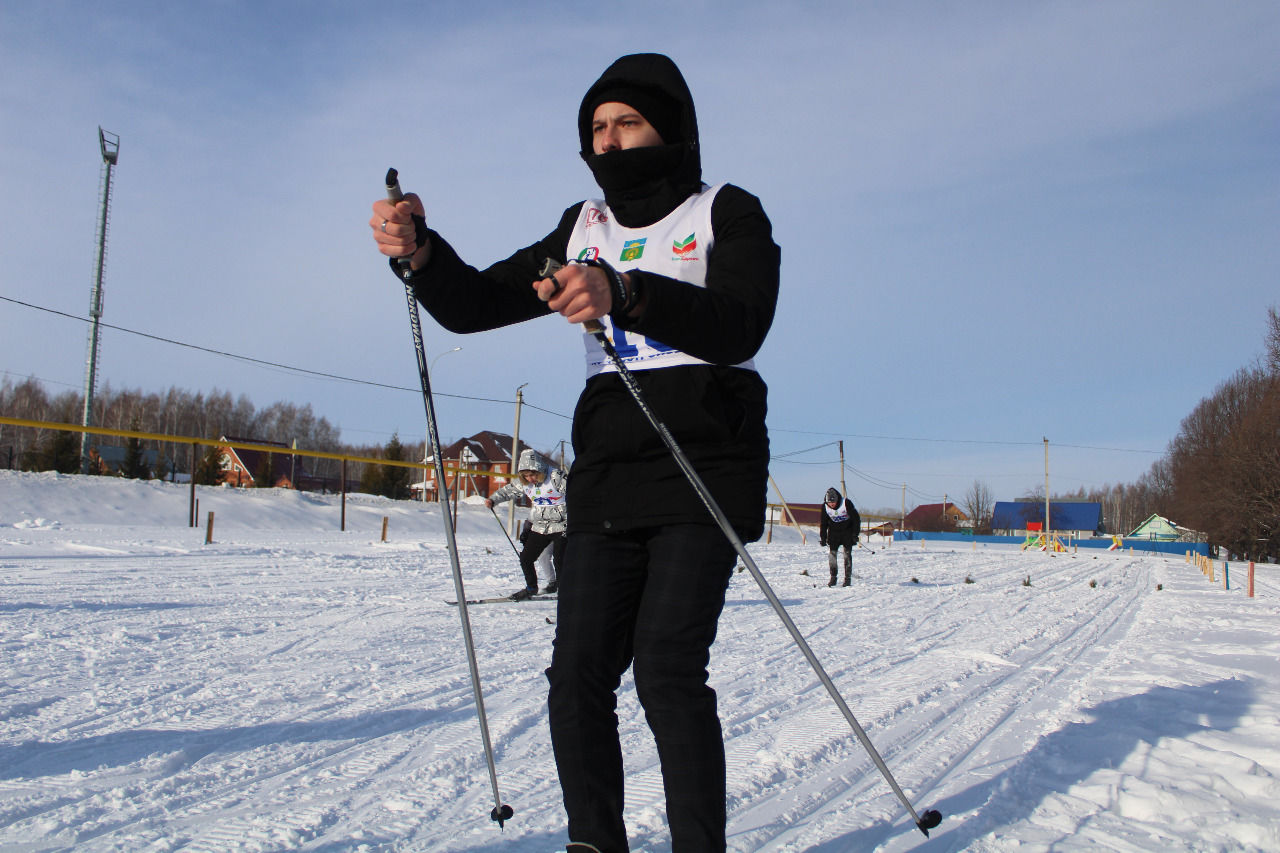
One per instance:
(848,558)
(651,600)
(531,549)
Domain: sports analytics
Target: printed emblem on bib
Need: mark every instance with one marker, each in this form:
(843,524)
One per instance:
(685,246)
(590,253)
(596,216)
(632,249)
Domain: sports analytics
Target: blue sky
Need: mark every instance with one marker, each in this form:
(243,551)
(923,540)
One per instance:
(1000,221)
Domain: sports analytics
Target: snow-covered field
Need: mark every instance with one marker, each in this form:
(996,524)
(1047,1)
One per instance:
(294,687)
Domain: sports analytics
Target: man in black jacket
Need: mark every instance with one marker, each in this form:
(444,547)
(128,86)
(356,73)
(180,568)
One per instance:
(684,276)
(839,527)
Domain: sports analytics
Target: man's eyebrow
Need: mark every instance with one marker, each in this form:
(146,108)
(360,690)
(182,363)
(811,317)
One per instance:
(599,122)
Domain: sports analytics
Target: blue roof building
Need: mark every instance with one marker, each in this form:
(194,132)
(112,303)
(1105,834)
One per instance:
(1081,517)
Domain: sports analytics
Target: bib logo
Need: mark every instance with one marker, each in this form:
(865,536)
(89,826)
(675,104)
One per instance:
(632,249)
(680,248)
(589,254)
(596,216)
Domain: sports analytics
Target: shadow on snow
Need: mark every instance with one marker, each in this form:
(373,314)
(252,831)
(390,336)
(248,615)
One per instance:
(1066,757)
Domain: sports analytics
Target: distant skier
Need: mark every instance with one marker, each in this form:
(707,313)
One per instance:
(544,486)
(839,527)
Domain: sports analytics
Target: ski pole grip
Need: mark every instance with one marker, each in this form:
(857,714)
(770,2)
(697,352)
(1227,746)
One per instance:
(420,235)
(549,268)
(393,186)
(395,195)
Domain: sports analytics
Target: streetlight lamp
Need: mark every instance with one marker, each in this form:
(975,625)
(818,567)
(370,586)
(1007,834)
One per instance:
(426,444)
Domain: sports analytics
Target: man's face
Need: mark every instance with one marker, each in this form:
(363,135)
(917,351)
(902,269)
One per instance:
(616,127)
(832,504)
(533,478)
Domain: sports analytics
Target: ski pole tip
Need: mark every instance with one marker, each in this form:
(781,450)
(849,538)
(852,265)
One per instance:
(393,177)
(929,820)
(503,813)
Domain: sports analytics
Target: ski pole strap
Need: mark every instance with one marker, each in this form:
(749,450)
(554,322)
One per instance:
(623,299)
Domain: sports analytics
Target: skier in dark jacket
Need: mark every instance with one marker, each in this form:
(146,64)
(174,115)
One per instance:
(838,528)
(684,276)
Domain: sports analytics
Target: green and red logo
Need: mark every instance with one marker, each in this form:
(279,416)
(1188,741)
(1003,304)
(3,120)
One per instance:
(685,246)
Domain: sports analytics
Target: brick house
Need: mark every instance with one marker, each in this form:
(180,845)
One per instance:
(486,451)
(241,467)
(939,516)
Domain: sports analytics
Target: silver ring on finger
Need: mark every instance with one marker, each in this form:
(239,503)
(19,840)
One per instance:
(384,226)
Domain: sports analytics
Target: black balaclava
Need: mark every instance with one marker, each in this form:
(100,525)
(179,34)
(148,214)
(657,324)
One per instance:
(642,185)
(833,495)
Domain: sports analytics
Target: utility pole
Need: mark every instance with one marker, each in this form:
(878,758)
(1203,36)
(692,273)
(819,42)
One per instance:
(1047,528)
(844,490)
(902,522)
(515,460)
(109,143)
(426,443)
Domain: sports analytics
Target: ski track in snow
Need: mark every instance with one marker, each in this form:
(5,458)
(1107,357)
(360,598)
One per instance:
(294,687)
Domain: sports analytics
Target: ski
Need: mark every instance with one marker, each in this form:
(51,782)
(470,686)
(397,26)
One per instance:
(506,598)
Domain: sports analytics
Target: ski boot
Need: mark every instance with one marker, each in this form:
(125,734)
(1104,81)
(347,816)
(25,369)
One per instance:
(523,594)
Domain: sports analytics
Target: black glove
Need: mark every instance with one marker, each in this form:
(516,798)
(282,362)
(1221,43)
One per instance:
(822,542)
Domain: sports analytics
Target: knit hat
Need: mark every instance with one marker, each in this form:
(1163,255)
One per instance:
(657,108)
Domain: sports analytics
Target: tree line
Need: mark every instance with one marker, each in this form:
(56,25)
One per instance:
(1220,475)
(174,412)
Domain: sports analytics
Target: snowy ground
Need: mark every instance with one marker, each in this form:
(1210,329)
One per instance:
(294,687)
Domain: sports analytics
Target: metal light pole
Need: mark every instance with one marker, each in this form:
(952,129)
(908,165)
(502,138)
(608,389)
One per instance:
(110,145)
(426,445)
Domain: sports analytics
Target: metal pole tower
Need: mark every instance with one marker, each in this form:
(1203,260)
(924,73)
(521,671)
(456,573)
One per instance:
(110,145)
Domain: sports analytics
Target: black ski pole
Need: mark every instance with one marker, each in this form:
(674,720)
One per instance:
(930,818)
(864,547)
(501,811)
(504,531)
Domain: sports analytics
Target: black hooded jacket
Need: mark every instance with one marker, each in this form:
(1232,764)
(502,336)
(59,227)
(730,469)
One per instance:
(839,532)
(623,477)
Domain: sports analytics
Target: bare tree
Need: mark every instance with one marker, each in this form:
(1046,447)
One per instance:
(1272,358)
(979,504)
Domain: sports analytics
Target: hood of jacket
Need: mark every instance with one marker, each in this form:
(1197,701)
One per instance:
(529,461)
(642,185)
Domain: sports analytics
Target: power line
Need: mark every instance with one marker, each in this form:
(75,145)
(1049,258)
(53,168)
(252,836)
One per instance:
(1038,443)
(779,457)
(264,363)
